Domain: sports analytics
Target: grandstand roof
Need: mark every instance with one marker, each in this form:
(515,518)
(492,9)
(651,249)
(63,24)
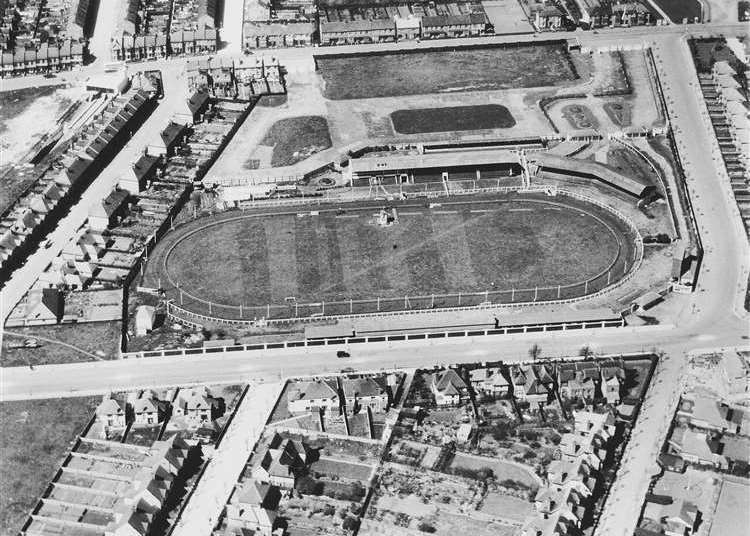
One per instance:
(398,162)
(593,169)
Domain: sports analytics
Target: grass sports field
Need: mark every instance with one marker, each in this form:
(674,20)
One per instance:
(451,118)
(437,71)
(465,247)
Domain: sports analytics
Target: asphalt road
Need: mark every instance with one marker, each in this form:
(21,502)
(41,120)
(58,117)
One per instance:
(714,318)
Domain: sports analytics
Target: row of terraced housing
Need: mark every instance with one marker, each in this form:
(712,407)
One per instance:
(153,29)
(726,90)
(302,23)
(41,36)
(86,282)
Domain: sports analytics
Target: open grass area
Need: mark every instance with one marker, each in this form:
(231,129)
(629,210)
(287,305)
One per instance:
(501,470)
(452,118)
(677,10)
(296,138)
(36,434)
(329,467)
(14,102)
(444,70)
(459,247)
(87,342)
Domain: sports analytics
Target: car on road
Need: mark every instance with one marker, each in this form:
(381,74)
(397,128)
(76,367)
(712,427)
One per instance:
(342,353)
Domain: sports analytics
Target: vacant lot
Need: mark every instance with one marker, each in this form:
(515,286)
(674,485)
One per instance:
(463,247)
(12,103)
(35,437)
(62,344)
(296,138)
(452,118)
(444,70)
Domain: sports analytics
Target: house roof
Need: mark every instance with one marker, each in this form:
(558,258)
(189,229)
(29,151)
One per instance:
(109,206)
(361,387)
(171,133)
(312,390)
(448,382)
(144,405)
(357,25)
(453,20)
(144,166)
(736,448)
(196,101)
(44,303)
(110,406)
(705,409)
(535,387)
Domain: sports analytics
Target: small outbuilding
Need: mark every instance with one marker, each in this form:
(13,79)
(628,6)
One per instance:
(144,320)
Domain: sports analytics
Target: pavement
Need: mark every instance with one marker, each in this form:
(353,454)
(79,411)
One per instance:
(212,491)
(720,289)
(24,277)
(713,320)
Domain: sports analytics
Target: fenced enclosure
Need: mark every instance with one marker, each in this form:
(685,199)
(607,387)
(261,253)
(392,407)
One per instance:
(185,305)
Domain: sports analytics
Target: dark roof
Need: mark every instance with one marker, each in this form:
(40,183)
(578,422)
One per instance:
(449,382)
(114,201)
(453,20)
(197,101)
(357,25)
(144,166)
(170,134)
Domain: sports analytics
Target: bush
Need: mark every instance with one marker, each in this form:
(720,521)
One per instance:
(477,474)
(426,527)
(307,485)
(350,523)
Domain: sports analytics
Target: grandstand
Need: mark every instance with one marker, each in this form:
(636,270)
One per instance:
(565,167)
(406,165)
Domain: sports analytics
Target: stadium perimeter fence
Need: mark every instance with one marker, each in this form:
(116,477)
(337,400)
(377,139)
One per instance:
(193,310)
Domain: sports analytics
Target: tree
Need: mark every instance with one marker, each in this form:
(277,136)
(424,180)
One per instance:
(426,527)
(535,352)
(586,352)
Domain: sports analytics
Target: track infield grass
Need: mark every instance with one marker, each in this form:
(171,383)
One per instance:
(465,247)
